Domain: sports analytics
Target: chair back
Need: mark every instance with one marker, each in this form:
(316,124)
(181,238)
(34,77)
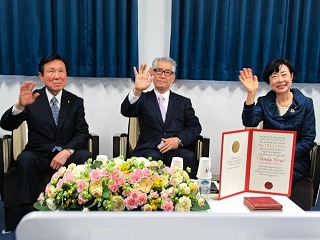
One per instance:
(19,139)
(133,133)
(5,153)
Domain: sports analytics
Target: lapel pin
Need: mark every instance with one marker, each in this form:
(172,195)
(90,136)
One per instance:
(293,110)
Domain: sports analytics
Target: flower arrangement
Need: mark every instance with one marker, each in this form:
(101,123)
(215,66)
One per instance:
(118,185)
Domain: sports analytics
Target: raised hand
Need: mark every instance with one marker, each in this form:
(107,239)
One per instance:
(143,78)
(248,80)
(26,96)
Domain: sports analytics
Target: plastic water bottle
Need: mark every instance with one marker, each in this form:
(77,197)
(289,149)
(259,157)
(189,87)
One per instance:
(204,187)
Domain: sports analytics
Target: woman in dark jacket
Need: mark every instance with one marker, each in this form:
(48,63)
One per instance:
(282,108)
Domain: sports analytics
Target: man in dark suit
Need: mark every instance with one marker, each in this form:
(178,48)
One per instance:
(168,125)
(51,144)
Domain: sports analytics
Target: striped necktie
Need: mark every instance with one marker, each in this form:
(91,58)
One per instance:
(54,109)
(162,109)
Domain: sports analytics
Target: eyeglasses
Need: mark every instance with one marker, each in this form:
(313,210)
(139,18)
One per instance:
(159,71)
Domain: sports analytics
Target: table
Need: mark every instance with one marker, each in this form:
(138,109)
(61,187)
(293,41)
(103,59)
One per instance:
(228,219)
(169,226)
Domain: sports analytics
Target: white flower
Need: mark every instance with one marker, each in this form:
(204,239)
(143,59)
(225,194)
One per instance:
(184,188)
(143,160)
(118,161)
(85,209)
(51,205)
(201,201)
(78,170)
(102,157)
(184,204)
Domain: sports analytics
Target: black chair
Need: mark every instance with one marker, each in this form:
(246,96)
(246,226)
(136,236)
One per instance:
(315,171)
(12,145)
(123,143)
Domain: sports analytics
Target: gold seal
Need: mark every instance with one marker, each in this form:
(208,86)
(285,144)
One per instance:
(235,146)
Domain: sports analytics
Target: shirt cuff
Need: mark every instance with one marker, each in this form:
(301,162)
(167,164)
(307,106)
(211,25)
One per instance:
(132,98)
(15,111)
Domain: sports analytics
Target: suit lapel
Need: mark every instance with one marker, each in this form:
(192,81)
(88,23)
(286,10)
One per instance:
(172,107)
(44,106)
(154,105)
(64,107)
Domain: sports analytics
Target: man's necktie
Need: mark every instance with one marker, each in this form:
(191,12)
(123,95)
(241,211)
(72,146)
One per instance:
(55,109)
(162,109)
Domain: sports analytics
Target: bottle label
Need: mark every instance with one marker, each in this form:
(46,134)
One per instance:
(204,186)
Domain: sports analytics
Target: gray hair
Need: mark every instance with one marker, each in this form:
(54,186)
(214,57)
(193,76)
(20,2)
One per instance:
(165,59)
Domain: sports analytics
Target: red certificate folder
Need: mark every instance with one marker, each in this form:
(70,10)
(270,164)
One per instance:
(256,160)
(264,203)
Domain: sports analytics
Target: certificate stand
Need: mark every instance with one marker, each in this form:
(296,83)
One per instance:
(256,160)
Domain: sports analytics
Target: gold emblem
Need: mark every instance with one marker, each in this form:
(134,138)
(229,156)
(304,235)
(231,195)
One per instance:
(235,146)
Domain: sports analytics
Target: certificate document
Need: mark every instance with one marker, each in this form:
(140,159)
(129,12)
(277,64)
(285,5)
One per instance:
(256,160)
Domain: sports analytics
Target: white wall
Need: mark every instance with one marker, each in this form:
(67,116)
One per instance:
(218,104)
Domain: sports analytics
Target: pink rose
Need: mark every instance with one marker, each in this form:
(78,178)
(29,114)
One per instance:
(81,200)
(134,194)
(60,183)
(167,206)
(113,188)
(154,194)
(41,197)
(130,203)
(135,176)
(142,199)
(68,177)
(81,184)
(118,177)
(95,175)
(146,172)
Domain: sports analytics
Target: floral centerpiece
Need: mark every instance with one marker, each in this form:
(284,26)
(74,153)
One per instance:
(117,185)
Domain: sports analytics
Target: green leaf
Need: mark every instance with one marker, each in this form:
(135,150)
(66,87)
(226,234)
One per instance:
(96,164)
(41,207)
(197,207)
(106,194)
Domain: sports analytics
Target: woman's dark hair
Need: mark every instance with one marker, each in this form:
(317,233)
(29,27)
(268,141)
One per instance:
(50,59)
(273,67)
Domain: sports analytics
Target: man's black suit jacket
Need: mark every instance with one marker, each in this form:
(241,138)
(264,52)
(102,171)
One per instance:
(72,129)
(181,120)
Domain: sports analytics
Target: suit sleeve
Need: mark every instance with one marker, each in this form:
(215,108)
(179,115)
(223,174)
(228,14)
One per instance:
(10,122)
(308,132)
(128,109)
(252,114)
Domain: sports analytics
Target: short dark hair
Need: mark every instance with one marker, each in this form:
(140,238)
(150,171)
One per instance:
(273,67)
(50,58)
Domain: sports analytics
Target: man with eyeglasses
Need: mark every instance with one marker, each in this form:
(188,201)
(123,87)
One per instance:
(168,124)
